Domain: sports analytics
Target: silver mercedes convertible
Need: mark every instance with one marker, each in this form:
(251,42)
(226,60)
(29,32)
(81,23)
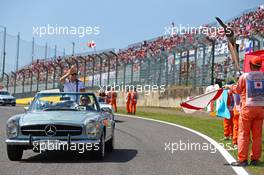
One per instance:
(61,122)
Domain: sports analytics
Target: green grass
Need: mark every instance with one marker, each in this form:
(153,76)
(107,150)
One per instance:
(210,126)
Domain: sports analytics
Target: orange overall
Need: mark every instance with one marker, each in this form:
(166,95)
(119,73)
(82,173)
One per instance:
(108,98)
(228,123)
(113,100)
(128,102)
(236,112)
(134,102)
(250,120)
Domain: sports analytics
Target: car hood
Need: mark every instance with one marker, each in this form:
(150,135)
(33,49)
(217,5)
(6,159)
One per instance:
(57,117)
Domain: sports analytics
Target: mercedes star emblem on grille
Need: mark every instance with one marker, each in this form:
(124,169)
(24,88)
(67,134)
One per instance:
(50,130)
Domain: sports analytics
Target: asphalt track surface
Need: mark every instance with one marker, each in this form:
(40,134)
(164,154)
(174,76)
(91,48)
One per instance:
(139,150)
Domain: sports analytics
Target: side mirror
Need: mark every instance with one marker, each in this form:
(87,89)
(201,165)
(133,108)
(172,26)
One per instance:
(26,108)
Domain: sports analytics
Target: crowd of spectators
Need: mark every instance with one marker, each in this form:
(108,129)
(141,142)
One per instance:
(246,25)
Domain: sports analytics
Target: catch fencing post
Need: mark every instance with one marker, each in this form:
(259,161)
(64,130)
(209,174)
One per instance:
(33,49)
(213,62)
(174,68)
(93,71)
(47,76)
(160,69)
(14,75)
(203,67)
(101,63)
(180,68)
(116,73)
(188,66)
(7,80)
(195,67)
(124,78)
(23,82)
(132,65)
(4,54)
(31,79)
(17,54)
(37,80)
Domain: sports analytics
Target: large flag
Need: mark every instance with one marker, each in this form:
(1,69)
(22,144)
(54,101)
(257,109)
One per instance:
(201,101)
(222,110)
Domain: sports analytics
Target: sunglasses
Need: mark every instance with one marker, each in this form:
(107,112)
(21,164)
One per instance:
(74,74)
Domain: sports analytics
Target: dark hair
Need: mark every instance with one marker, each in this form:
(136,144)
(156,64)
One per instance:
(255,66)
(219,82)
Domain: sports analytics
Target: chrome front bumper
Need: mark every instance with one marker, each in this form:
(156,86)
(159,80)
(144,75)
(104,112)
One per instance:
(29,143)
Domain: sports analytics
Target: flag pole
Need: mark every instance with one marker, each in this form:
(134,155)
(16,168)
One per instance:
(232,46)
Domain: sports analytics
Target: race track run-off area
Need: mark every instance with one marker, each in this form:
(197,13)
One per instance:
(141,147)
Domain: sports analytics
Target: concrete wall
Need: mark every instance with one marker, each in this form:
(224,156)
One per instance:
(172,97)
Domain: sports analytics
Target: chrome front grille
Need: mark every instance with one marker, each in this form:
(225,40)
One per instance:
(61,130)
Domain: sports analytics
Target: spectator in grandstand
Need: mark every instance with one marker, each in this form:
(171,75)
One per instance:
(71,81)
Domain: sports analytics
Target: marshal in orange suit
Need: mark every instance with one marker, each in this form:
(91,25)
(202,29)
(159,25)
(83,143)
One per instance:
(113,99)
(250,86)
(128,101)
(134,97)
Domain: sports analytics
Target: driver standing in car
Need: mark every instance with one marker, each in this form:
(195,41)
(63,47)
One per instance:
(71,81)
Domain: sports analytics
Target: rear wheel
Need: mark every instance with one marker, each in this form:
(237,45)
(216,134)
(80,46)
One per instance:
(100,153)
(14,152)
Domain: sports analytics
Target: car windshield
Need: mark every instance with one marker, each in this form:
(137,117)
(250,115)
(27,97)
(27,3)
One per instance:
(64,102)
(4,93)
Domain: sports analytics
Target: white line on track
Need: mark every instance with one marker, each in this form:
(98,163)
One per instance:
(229,158)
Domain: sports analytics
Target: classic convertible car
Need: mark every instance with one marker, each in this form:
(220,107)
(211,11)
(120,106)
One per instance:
(61,121)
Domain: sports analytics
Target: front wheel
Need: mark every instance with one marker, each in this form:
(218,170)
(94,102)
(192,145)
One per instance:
(14,152)
(110,144)
(100,153)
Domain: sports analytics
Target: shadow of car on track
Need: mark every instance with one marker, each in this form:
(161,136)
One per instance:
(117,156)
(119,121)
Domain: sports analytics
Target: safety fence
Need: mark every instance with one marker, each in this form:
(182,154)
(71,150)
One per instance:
(27,67)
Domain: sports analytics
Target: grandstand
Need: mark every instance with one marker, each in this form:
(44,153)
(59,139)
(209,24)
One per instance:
(171,60)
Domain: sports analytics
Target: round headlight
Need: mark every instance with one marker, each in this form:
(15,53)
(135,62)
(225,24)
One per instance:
(92,128)
(11,127)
